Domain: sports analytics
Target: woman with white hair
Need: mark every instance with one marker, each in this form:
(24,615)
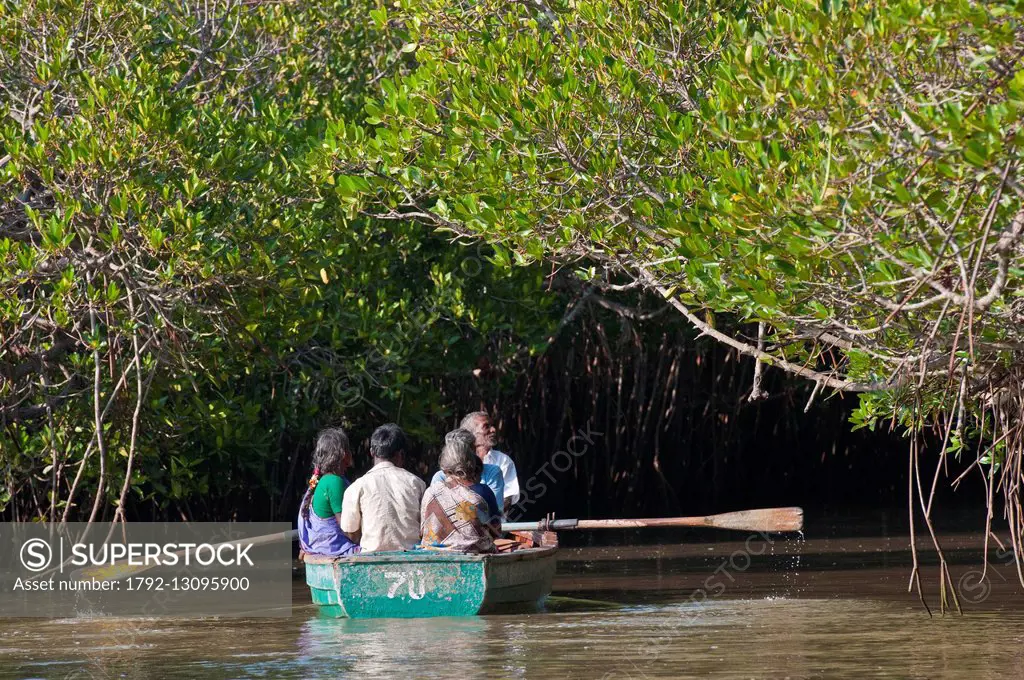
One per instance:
(460,513)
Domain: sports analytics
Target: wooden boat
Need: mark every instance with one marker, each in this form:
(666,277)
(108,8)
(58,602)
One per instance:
(425,583)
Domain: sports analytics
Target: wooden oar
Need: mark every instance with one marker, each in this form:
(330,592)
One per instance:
(116,572)
(767,520)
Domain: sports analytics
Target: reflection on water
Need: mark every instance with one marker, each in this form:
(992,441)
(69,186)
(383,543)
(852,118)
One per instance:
(376,647)
(828,608)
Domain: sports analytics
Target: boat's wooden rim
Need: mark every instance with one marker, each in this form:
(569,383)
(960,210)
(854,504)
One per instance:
(435,556)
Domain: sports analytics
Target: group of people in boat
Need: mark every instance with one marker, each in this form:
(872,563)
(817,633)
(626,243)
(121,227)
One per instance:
(390,508)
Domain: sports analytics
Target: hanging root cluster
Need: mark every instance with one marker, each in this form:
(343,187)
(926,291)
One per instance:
(986,423)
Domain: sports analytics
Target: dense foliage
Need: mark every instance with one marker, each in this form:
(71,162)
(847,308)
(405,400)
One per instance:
(223,215)
(845,174)
(184,297)
(842,176)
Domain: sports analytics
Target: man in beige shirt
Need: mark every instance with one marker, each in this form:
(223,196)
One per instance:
(381,509)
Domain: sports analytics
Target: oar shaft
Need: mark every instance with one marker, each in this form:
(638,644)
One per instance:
(642,523)
(290,535)
(569,524)
(766,520)
(556,525)
(123,569)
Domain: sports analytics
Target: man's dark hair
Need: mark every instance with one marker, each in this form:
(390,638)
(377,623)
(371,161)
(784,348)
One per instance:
(386,441)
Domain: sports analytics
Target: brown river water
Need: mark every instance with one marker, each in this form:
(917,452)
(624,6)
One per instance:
(735,608)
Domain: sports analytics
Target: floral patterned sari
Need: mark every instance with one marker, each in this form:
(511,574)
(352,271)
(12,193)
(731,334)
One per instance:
(455,517)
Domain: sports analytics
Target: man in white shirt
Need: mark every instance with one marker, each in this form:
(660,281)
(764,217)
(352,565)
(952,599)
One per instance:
(480,424)
(381,509)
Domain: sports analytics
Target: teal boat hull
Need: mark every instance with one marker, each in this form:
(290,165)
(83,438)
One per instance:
(425,583)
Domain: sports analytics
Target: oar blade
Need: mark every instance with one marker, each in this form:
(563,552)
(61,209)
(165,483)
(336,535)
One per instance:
(767,520)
